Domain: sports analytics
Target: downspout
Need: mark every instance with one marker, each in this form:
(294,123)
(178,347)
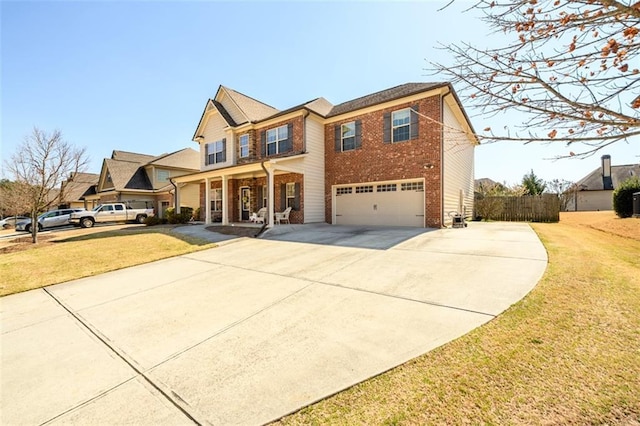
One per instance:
(442,225)
(175,197)
(305,114)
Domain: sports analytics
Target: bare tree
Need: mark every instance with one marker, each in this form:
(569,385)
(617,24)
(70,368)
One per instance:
(564,189)
(13,200)
(41,163)
(570,66)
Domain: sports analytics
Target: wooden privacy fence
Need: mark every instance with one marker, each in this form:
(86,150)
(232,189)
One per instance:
(528,208)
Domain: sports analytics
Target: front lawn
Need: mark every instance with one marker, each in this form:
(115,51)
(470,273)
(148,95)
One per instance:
(568,353)
(50,262)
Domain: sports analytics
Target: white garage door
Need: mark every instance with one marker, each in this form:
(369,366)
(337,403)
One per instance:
(380,203)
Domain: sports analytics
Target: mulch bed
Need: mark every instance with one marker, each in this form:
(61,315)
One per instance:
(241,231)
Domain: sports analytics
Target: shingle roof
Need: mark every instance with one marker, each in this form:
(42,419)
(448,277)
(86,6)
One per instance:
(184,159)
(252,108)
(79,185)
(123,172)
(594,182)
(384,96)
(131,156)
(224,113)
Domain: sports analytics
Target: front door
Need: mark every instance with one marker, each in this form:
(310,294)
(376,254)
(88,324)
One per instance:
(245,203)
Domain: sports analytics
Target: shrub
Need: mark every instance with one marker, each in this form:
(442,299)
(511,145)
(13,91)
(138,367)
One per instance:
(183,217)
(196,214)
(152,220)
(623,196)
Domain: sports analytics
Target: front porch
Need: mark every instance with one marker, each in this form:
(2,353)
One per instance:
(230,196)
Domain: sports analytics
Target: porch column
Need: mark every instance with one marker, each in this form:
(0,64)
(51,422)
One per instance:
(270,197)
(207,201)
(225,204)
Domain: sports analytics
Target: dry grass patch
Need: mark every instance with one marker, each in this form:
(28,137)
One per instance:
(52,262)
(568,353)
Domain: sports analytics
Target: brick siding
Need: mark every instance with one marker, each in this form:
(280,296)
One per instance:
(378,161)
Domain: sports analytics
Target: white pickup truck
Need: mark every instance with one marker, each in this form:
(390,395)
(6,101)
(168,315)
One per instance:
(112,212)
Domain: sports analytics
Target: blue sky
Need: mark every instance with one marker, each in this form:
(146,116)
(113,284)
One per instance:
(135,76)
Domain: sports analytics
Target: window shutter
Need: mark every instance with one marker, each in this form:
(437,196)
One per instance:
(283,196)
(263,143)
(224,150)
(358,134)
(338,138)
(414,122)
(296,201)
(289,146)
(206,154)
(386,128)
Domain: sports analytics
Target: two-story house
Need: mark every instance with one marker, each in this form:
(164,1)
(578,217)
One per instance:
(402,156)
(146,180)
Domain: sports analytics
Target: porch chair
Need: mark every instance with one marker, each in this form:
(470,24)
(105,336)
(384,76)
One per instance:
(284,216)
(259,216)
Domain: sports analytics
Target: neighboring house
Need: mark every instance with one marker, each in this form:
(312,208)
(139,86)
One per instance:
(142,179)
(595,191)
(76,188)
(381,159)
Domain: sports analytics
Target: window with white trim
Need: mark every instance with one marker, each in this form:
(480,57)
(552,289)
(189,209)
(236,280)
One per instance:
(216,152)
(401,125)
(264,196)
(216,200)
(348,132)
(244,146)
(277,139)
(291,194)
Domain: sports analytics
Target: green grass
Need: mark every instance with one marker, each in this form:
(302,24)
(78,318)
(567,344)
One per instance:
(568,353)
(77,257)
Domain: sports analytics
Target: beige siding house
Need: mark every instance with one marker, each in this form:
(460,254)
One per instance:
(403,156)
(595,191)
(141,179)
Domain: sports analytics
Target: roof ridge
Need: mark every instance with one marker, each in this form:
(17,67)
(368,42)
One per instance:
(248,97)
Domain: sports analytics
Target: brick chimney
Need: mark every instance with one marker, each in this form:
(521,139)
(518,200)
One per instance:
(607,183)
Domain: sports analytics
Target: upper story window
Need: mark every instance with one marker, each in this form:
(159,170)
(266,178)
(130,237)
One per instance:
(277,141)
(401,125)
(244,146)
(163,175)
(348,136)
(216,152)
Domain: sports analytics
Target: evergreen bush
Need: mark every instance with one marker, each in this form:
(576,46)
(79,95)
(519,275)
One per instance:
(623,196)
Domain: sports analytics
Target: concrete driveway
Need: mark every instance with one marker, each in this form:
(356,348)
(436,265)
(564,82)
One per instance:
(254,329)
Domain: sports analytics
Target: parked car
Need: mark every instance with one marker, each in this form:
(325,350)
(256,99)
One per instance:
(49,219)
(110,212)
(10,222)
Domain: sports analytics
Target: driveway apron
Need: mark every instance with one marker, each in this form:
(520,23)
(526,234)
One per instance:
(256,328)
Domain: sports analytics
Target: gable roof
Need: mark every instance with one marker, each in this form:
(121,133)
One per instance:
(125,175)
(594,180)
(253,109)
(131,156)
(127,169)
(386,95)
(186,158)
(78,185)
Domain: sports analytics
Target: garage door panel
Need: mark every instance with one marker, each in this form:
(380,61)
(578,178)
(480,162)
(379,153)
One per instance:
(391,208)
